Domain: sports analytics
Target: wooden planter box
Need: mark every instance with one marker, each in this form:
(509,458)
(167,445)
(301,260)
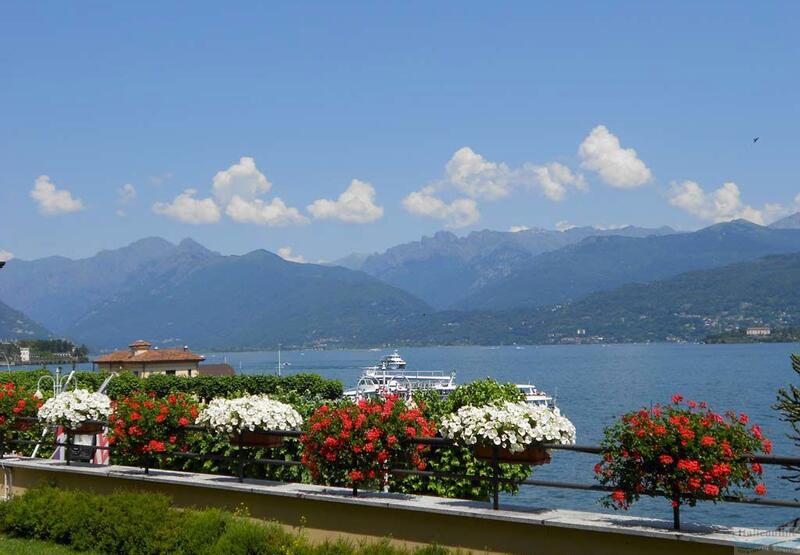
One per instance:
(533,455)
(255,438)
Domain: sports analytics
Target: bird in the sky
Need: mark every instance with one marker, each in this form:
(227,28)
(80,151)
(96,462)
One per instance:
(755,140)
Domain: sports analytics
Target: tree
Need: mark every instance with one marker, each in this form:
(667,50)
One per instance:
(789,405)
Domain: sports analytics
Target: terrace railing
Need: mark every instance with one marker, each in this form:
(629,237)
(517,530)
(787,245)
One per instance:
(243,458)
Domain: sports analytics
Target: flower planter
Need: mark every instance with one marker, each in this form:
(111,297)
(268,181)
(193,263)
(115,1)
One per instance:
(88,428)
(533,455)
(256,438)
(21,426)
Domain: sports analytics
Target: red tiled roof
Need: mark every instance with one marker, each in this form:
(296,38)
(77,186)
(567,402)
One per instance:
(154,355)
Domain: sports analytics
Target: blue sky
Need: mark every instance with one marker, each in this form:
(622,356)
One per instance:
(447,115)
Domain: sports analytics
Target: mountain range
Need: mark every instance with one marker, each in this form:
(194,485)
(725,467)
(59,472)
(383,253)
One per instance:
(445,269)
(602,263)
(489,287)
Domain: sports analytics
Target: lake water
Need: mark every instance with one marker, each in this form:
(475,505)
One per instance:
(594,385)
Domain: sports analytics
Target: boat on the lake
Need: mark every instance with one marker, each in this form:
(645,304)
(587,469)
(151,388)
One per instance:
(391,376)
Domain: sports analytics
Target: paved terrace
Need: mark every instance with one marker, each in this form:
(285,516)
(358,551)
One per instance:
(410,519)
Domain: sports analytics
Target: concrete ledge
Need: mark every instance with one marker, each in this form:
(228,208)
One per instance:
(328,512)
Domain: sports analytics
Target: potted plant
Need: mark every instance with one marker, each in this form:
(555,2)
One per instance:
(251,420)
(145,426)
(509,432)
(357,443)
(683,451)
(16,403)
(79,410)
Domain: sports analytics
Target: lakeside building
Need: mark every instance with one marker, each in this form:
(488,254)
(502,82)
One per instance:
(143,360)
(25,355)
(758,331)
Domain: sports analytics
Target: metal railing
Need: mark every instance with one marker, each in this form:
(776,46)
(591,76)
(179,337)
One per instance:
(243,459)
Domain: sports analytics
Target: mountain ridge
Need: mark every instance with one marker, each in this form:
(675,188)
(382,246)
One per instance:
(444,269)
(605,262)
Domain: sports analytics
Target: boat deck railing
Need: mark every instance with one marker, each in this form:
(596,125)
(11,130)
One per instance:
(404,374)
(244,457)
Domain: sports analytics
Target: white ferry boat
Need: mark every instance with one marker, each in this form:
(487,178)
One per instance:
(391,376)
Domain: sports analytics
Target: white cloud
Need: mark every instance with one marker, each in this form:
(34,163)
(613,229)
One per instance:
(5,256)
(187,209)
(797,200)
(355,205)
(459,213)
(518,228)
(53,201)
(274,213)
(553,179)
(121,213)
(477,177)
(287,254)
(236,192)
(564,225)
(722,205)
(619,167)
(243,180)
(127,193)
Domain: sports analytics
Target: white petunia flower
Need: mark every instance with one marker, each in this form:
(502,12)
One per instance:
(249,413)
(73,407)
(513,426)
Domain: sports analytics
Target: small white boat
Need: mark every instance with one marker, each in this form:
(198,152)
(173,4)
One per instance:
(534,396)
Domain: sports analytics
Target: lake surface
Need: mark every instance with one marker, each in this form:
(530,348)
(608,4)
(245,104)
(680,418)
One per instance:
(594,385)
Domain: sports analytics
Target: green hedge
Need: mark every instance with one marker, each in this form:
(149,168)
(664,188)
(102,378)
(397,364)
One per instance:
(309,386)
(127,523)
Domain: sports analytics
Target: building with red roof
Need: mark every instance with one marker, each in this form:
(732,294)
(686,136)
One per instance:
(143,360)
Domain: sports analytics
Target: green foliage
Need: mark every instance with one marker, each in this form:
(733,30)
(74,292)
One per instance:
(296,386)
(122,523)
(210,387)
(460,460)
(127,523)
(789,406)
(244,537)
(14,546)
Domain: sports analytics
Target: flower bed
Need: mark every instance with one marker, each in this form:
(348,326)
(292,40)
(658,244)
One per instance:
(16,402)
(683,451)
(247,417)
(144,425)
(71,408)
(355,444)
(514,428)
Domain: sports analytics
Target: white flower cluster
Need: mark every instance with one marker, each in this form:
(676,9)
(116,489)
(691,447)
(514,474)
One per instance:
(513,426)
(73,407)
(248,413)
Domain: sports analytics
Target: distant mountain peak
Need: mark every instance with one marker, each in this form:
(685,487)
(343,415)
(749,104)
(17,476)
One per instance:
(190,245)
(789,222)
